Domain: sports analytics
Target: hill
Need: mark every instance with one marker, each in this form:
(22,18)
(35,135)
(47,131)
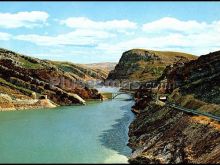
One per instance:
(21,76)
(140,64)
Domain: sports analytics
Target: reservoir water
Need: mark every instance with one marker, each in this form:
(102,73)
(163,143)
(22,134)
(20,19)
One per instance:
(94,133)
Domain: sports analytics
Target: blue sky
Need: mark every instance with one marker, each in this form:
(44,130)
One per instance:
(87,32)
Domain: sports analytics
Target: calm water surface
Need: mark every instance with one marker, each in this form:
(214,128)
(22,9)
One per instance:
(94,133)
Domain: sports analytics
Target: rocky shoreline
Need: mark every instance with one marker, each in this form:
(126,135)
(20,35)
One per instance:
(164,135)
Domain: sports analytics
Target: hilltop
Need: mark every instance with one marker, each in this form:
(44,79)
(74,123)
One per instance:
(141,64)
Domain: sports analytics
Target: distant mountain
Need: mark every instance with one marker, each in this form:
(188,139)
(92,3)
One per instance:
(104,67)
(140,64)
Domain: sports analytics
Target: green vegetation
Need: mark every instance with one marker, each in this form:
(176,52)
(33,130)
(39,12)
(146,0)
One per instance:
(173,54)
(29,65)
(154,70)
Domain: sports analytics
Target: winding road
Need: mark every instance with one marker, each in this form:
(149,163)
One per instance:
(194,112)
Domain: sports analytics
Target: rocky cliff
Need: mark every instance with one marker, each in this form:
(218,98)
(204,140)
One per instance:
(21,76)
(140,64)
(161,134)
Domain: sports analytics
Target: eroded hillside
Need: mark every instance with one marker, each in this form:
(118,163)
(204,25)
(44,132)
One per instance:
(21,76)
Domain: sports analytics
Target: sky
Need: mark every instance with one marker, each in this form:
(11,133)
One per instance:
(92,32)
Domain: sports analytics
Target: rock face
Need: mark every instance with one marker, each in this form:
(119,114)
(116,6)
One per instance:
(164,135)
(21,76)
(160,134)
(139,64)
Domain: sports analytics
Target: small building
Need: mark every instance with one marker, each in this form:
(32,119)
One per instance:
(163,98)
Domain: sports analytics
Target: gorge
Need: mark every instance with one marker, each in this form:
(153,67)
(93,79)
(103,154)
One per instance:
(100,131)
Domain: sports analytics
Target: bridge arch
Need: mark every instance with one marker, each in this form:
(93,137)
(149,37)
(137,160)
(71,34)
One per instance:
(114,95)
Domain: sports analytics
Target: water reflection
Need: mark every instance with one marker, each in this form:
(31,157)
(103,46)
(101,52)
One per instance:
(116,138)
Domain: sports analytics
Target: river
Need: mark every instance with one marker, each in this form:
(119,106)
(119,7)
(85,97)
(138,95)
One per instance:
(94,133)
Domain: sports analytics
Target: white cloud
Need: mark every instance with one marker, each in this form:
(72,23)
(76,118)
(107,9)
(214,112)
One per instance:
(5,36)
(86,23)
(23,19)
(77,37)
(172,34)
(173,24)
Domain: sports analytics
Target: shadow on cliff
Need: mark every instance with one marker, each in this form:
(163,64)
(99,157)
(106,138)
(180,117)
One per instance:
(116,138)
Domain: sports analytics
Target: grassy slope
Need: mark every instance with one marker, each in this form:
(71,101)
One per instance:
(173,54)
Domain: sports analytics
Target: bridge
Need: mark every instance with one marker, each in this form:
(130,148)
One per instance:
(113,95)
